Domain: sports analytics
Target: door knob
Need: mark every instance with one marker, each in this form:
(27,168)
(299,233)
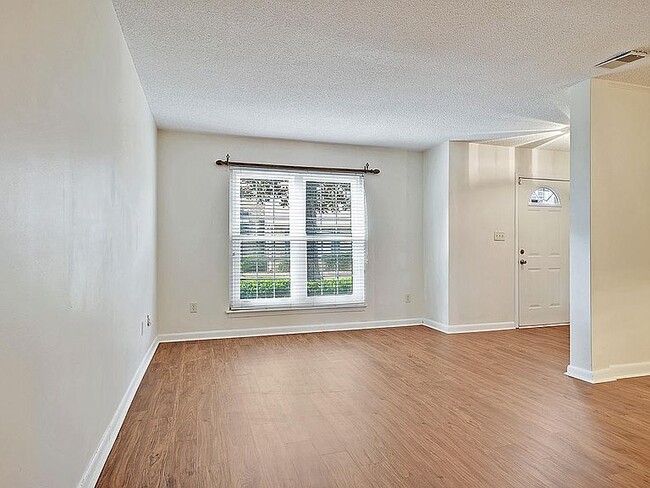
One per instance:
(523,261)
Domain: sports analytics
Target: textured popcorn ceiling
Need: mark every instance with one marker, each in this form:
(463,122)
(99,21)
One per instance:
(640,76)
(392,73)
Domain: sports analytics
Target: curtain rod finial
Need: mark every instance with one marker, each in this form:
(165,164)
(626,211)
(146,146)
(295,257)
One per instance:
(374,171)
(221,162)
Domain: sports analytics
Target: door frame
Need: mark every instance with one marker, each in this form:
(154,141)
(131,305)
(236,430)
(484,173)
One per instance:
(518,179)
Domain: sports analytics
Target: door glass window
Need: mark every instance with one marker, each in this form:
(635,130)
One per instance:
(544,196)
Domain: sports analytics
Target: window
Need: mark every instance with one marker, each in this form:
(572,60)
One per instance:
(544,196)
(298,239)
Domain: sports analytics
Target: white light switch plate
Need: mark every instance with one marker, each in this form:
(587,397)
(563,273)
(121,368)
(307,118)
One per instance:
(499,236)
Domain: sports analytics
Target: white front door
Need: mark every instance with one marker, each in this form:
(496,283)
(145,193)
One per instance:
(543,253)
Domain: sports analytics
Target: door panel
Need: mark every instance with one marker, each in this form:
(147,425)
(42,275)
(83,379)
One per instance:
(544,265)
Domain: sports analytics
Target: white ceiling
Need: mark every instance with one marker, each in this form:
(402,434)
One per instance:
(392,73)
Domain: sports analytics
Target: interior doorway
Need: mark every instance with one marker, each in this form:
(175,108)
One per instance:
(543,251)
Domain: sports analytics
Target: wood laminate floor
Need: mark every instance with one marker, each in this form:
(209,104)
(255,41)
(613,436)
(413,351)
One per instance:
(403,407)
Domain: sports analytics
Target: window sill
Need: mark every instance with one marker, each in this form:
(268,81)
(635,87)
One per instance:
(293,310)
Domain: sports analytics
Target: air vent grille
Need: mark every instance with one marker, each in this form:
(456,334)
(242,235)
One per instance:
(622,59)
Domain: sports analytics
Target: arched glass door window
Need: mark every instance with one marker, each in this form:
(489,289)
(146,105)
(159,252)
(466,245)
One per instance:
(544,196)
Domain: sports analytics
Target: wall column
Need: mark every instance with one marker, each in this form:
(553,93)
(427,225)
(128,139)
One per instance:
(610,231)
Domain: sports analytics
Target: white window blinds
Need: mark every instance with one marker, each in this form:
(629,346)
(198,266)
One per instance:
(298,239)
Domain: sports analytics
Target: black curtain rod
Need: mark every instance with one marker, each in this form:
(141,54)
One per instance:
(365,170)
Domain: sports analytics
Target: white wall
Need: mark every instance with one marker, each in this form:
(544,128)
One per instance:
(468,194)
(77,234)
(193,241)
(435,230)
(580,228)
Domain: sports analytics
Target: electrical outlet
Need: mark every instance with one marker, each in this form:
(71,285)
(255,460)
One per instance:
(407,298)
(499,236)
(194,307)
(148,321)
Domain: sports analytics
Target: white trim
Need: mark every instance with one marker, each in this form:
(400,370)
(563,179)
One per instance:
(253,312)
(580,374)
(516,248)
(439,326)
(96,464)
(613,373)
(630,370)
(542,326)
(298,329)
(518,178)
(298,240)
(460,329)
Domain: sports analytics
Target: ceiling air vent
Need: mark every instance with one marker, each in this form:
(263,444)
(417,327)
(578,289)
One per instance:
(622,59)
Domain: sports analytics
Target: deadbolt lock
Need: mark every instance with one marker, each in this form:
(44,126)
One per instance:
(521,251)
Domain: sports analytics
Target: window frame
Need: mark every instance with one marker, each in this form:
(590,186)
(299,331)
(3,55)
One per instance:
(298,239)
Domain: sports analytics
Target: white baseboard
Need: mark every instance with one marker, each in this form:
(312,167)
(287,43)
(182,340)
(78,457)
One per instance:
(460,329)
(439,326)
(580,373)
(613,373)
(96,464)
(543,326)
(630,370)
(298,329)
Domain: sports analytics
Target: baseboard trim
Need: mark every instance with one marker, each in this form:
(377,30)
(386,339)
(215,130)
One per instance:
(613,373)
(462,329)
(298,329)
(630,370)
(439,326)
(96,464)
(580,374)
(543,326)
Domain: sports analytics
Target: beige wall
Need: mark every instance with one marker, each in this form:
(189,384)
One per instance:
(620,223)
(77,234)
(610,331)
(469,193)
(481,196)
(541,163)
(193,241)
